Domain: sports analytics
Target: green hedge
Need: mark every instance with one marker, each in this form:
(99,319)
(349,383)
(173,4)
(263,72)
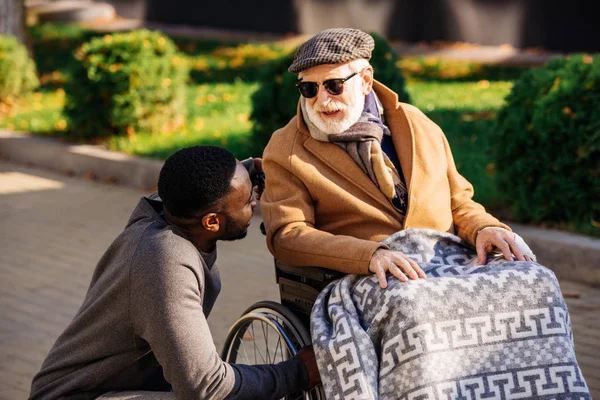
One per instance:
(17,70)
(275,102)
(547,143)
(126,83)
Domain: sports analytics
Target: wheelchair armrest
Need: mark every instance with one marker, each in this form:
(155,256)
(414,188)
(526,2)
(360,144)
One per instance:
(315,273)
(299,287)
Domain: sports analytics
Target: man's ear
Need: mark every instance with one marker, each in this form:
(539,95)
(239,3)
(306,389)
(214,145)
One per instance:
(211,222)
(367,80)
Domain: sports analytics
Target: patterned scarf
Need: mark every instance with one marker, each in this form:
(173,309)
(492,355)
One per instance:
(362,142)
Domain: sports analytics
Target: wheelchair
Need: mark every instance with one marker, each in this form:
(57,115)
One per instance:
(270,332)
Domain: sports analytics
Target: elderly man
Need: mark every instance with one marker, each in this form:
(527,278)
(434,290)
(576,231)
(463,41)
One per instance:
(355,165)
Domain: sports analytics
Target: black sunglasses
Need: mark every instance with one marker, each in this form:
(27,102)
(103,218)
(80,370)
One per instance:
(333,86)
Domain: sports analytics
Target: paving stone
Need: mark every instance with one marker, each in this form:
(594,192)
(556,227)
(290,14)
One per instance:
(55,228)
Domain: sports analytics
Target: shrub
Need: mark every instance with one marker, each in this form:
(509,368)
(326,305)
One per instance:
(53,46)
(126,83)
(547,142)
(275,102)
(17,70)
(230,62)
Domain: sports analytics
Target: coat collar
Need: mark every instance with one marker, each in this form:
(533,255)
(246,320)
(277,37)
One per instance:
(340,161)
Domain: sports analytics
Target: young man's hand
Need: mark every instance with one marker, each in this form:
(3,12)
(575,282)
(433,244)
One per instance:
(397,263)
(307,356)
(257,176)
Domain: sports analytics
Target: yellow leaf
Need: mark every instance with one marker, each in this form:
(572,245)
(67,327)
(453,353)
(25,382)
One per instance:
(61,125)
(483,84)
(490,169)
(430,61)
(201,65)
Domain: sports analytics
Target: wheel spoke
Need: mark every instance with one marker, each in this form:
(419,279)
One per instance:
(256,349)
(245,351)
(280,348)
(265,329)
(254,341)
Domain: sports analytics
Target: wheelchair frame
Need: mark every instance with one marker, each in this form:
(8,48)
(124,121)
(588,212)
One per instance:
(290,321)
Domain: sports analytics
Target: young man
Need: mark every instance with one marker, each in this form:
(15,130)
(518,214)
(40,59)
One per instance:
(142,326)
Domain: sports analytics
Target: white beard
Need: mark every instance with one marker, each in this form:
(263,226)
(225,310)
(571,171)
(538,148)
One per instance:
(352,113)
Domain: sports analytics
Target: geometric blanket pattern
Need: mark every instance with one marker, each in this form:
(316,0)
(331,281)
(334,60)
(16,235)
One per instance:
(499,331)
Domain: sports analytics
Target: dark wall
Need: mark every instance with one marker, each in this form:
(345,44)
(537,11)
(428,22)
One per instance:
(572,25)
(559,25)
(273,16)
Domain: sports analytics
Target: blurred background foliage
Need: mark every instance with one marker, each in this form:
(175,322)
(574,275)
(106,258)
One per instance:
(232,84)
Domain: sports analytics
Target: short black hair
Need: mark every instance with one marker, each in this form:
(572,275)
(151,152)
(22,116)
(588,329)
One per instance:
(194,178)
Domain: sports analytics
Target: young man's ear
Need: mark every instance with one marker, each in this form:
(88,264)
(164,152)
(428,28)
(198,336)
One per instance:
(211,222)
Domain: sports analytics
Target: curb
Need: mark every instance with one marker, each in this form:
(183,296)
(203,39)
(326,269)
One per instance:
(80,159)
(572,257)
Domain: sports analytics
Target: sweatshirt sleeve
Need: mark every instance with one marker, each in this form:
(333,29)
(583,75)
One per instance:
(166,312)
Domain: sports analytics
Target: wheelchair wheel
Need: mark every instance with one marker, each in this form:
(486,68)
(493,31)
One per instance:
(268,333)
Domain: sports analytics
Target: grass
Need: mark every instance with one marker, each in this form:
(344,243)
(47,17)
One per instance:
(465,111)
(218,114)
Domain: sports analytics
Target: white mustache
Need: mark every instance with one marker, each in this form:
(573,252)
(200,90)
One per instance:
(331,106)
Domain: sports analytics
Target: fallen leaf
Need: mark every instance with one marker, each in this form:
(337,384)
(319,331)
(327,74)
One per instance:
(90,175)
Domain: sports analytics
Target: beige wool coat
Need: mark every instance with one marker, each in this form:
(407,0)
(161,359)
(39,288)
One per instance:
(321,209)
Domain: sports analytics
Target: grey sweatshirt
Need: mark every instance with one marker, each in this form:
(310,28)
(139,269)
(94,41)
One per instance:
(142,326)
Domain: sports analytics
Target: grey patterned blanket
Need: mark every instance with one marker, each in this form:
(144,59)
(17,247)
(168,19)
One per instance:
(499,331)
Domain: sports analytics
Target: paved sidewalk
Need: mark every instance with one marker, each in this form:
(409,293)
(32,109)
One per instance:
(55,228)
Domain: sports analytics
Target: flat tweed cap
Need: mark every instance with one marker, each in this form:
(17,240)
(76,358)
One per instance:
(333,46)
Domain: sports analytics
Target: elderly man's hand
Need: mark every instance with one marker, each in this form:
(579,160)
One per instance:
(397,263)
(505,241)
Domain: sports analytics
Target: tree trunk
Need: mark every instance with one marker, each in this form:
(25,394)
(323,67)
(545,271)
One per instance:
(12,20)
